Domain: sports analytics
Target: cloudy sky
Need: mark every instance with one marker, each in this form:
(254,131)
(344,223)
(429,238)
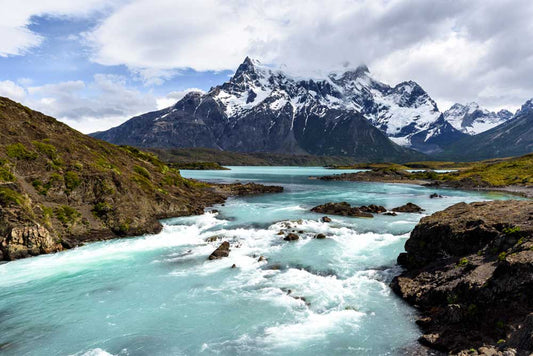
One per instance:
(95,63)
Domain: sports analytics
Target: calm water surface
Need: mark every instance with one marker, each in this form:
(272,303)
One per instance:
(158,294)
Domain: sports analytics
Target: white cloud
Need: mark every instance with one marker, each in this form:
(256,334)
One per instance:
(104,102)
(460,50)
(453,48)
(11,90)
(15,16)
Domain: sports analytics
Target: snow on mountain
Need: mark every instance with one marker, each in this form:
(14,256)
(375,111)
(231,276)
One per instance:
(401,112)
(473,119)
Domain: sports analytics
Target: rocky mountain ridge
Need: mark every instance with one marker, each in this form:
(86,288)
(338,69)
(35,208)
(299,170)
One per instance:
(472,119)
(262,109)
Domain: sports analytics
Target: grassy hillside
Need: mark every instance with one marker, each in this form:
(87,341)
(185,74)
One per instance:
(499,172)
(59,187)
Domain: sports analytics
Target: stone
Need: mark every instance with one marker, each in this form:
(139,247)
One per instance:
(408,208)
(291,237)
(326,219)
(342,209)
(320,236)
(222,251)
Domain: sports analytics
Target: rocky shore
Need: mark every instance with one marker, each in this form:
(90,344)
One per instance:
(469,271)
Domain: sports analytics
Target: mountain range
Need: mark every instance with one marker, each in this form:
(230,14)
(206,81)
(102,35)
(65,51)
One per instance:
(513,137)
(350,113)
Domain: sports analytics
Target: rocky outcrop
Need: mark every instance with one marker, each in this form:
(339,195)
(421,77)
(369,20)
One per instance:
(222,251)
(408,208)
(469,270)
(386,175)
(343,209)
(24,241)
(245,189)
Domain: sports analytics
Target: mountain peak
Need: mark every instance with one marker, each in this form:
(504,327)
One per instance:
(526,107)
(358,72)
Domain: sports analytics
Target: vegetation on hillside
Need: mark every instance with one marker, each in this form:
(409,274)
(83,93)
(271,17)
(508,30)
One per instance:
(227,158)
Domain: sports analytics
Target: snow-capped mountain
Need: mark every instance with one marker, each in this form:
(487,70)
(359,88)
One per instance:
(473,119)
(513,137)
(264,109)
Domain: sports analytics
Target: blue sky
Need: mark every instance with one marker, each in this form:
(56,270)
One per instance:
(95,63)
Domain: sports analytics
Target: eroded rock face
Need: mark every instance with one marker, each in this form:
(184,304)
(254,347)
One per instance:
(470,272)
(25,241)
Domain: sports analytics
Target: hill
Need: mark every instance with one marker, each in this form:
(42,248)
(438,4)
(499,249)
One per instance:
(60,188)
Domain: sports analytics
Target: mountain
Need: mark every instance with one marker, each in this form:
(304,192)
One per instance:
(265,110)
(472,119)
(60,188)
(512,138)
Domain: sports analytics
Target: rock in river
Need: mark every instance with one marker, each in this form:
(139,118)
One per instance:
(408,208)
(343,209)
(221,251)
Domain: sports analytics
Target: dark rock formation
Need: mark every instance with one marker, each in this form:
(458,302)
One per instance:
(326,219)
(408,208)
(435,195)
(470,272)
(320,236)
(291,237)
(343,209)
(375,209)
(222,251)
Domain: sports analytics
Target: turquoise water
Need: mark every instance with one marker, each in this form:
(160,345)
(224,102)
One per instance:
(159,295)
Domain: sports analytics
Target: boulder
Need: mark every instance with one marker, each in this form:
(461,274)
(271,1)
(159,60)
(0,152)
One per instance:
(342,209)
(408,208)
(326,219)
(291,237)
(435,195)
(222,251)
(320,236)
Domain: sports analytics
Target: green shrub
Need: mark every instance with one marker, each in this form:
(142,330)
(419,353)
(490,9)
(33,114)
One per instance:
(72,180)
(67,214)
(142,171)
(45,148)
(5,173)
(463,262)
(9,196)
(502,256)
(101,209)
(511,231)
(19,152)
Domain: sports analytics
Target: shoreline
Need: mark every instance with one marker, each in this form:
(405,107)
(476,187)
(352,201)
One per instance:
(518,190)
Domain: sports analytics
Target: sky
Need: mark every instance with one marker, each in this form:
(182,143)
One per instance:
(96,63)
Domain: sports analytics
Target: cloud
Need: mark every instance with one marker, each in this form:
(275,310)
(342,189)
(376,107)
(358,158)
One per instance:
(98,105)
(460,50)
(455,49)
(11,90)
(16,16)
